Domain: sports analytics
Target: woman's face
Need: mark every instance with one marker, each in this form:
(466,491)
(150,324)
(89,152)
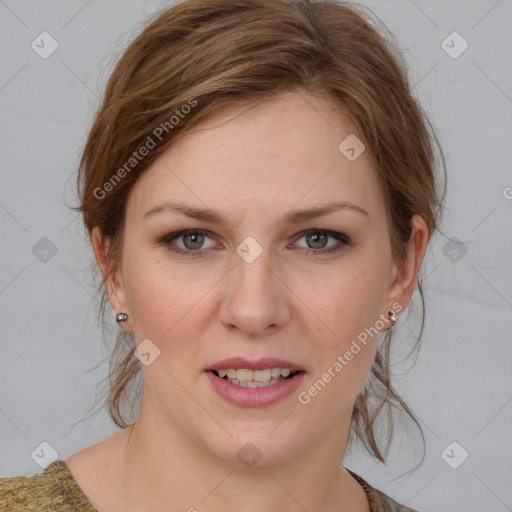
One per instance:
(269,279)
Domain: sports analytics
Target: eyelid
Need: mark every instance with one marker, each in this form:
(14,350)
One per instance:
(167,239)
(333,234)
(341,237)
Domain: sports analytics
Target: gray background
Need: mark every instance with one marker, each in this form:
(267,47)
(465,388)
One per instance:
(52,356)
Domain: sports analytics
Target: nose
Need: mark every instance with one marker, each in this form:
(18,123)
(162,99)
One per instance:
(255,300)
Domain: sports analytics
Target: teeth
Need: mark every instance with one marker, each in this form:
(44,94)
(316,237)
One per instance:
(253,384)
(244,375)
(276,372)
(261,375)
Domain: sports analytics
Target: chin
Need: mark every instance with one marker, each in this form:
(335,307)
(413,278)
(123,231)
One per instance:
(254,447)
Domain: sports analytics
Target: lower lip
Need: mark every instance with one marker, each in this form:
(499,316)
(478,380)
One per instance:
(254,397)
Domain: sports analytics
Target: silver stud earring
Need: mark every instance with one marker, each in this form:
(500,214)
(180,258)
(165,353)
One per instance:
(392,317)
(121,317)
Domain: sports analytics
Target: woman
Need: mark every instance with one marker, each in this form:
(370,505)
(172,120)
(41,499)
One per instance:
(259,187)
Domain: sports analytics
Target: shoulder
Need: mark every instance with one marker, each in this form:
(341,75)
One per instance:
(379,502)
(52,490)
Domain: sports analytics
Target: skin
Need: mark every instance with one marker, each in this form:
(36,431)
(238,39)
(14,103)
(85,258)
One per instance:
(252,166)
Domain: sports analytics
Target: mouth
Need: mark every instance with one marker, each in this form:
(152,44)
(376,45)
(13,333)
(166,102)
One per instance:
(255,383)
(247,378)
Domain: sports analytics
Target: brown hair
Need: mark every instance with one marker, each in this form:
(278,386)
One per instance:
(204,54)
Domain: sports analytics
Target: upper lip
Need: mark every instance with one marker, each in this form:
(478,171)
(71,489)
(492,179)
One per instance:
(260,364)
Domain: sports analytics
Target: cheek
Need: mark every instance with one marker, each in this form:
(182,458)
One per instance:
(345,329)
(349,301)
(166,302)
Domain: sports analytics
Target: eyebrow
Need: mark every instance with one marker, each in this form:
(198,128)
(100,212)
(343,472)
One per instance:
(293,217)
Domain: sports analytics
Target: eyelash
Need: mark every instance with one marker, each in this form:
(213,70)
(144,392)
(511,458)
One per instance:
(333,234)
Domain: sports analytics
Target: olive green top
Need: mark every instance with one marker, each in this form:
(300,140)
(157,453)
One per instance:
(55,490)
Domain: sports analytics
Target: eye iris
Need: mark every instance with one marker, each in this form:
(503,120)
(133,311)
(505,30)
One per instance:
(316,236)
(194,236)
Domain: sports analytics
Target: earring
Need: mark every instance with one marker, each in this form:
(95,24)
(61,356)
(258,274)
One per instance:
(392,317)
(121,317)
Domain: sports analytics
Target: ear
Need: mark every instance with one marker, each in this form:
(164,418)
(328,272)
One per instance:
(405,274)
(114,283)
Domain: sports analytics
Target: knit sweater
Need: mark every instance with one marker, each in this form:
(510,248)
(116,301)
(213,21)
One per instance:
(55,490)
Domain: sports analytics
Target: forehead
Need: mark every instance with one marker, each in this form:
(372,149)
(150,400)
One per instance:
(279,153)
